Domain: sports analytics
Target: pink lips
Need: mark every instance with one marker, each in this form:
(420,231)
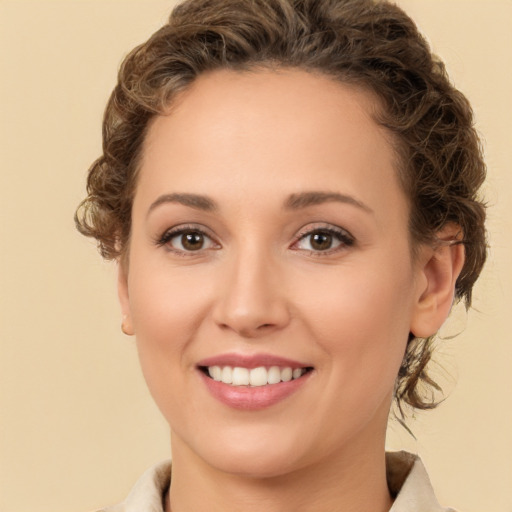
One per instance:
(250,361)
(246,397)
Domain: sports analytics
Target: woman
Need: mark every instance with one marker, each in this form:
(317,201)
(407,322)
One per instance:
(291,192)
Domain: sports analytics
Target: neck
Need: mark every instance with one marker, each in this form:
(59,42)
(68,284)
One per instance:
(352,481)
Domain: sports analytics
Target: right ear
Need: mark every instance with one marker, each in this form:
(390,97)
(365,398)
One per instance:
(124,299)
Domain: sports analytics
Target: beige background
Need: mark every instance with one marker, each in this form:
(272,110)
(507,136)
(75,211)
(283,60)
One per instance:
(76,423)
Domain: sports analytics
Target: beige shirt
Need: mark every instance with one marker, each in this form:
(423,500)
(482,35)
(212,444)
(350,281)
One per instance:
(407,479)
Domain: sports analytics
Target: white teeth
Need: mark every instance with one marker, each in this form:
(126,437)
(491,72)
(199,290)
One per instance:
(261,376)
(258,376)
(215,372)
(240,376)
(286,374)
(274,375)
(226,375)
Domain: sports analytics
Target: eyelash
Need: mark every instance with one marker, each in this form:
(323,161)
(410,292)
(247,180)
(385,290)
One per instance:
(168,235)
(344,238)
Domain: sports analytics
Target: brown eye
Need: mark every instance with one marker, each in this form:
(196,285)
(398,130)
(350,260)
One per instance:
(321,241)
(192,241)
(187,240)
(326,240)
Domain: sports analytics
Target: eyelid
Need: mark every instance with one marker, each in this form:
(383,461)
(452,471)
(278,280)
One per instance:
(344,236)
(164,239)
(341,234)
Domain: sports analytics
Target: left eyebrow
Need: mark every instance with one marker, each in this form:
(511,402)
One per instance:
(305,199)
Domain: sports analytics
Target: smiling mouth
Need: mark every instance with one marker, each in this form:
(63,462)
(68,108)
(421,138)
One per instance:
(253,377)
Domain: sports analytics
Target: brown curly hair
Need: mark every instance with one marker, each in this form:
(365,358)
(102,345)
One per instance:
(372,44)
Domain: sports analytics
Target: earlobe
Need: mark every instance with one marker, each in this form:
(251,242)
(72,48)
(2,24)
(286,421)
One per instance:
(124,300)
(440,268)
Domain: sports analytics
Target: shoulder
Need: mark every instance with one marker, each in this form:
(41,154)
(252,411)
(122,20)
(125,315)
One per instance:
(410,485)
(148,493)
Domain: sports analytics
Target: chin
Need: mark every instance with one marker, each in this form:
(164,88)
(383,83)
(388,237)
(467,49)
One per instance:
(260,466)
(251,453)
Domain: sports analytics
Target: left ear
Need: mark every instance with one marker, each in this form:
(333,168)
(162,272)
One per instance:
(440,266)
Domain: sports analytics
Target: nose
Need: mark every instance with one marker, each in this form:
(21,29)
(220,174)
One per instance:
(252,296)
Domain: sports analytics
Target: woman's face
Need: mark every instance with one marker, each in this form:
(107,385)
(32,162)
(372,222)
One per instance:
(270,234)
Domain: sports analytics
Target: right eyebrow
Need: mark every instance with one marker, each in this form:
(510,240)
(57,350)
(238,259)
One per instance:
(195,201)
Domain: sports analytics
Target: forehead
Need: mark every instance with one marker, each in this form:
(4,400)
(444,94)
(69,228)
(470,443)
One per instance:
(269,131)
(244,101)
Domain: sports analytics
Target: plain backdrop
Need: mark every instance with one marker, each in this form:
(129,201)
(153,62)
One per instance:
(77,426)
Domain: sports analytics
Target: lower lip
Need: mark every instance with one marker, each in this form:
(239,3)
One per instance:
(252,398)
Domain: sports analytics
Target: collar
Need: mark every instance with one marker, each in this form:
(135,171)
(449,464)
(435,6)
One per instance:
(408,483)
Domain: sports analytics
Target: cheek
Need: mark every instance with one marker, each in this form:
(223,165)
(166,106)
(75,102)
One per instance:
(166,308)
(361,320)
(356,300)
(165,304)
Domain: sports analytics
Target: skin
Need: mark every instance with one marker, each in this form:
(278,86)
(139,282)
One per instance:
(249,141)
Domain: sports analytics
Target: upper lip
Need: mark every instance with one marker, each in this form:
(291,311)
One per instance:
(251,361)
